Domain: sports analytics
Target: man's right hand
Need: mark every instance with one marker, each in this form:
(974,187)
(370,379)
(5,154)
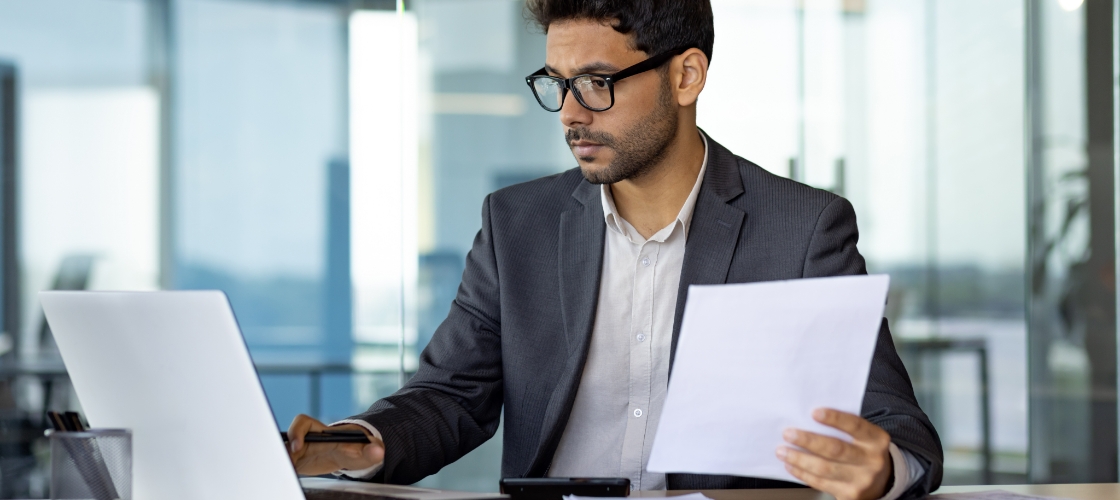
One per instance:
(314,459)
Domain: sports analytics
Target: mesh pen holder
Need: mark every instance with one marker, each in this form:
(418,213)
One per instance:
(91,465)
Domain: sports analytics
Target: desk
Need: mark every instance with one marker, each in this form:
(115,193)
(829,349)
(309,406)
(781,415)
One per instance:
(1109,491)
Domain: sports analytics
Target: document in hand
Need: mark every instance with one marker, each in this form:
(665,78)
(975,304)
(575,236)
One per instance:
(755,359)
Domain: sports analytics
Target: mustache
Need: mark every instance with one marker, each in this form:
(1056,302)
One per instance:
(583,133)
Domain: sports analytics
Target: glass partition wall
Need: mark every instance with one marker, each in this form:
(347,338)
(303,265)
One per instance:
(958,130)
(81,187)
(324,163)
(1071,238)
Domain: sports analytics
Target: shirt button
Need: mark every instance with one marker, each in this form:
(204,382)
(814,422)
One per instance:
(641,337)
(637,413)
(645,262)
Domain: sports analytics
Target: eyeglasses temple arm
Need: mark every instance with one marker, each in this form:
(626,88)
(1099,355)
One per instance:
(648,64)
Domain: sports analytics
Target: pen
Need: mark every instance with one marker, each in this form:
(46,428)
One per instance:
(74,421)
(331,437)
(57,422)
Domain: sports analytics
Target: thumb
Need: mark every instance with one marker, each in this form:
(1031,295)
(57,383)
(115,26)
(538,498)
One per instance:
(374,452)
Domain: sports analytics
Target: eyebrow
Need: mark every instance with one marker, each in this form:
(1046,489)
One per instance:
(595,67)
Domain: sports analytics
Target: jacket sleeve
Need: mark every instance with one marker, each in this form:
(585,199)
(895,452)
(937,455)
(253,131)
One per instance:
(453,403)
(889,401)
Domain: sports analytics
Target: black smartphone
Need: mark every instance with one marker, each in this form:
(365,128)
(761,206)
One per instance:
(331,437)
(554,488)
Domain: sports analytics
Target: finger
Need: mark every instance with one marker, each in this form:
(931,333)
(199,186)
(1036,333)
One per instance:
(814,464)
(296,431)
(837,489)
(299,428)
(825,446)
(856,426)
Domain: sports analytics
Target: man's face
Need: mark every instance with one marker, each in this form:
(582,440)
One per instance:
(628,139)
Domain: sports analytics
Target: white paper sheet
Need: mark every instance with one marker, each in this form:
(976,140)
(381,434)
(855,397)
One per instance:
(754,359)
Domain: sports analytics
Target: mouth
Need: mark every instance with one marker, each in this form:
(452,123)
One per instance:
(583,148)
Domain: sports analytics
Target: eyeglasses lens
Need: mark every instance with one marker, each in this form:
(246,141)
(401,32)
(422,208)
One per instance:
(548,91)
(594,91)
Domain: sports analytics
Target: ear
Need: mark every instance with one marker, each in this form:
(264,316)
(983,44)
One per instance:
(689,73)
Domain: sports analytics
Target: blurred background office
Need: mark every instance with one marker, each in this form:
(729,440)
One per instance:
(324,162)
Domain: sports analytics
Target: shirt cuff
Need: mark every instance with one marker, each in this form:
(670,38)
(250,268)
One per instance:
(369,472)
(907,471)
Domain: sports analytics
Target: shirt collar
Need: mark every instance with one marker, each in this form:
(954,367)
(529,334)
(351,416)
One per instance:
(616,223)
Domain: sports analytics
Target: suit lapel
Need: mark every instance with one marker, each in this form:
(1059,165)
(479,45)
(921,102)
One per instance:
(582,237)
(712,238)
(714,231)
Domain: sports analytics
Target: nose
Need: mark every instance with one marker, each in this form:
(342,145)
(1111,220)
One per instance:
(573,114)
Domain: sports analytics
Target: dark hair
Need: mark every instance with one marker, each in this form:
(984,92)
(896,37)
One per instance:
(656,25)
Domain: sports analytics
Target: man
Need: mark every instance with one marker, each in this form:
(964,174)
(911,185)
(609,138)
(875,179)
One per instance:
(570,304)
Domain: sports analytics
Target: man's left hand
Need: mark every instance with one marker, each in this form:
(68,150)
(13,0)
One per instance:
(859,470)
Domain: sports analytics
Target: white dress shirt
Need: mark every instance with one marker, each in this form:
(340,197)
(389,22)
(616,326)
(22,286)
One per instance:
(614,417)
(618,404)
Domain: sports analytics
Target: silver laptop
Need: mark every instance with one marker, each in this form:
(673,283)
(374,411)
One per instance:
(174,368)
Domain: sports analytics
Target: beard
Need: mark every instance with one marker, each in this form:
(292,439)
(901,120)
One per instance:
(639,149)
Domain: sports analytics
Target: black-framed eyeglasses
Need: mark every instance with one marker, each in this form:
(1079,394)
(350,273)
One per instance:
(594,92)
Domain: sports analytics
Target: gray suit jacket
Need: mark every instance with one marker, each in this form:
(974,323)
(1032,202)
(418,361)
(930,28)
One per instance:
(519,329)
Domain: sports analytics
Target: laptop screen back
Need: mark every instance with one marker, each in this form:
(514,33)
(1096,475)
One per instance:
(173,367)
